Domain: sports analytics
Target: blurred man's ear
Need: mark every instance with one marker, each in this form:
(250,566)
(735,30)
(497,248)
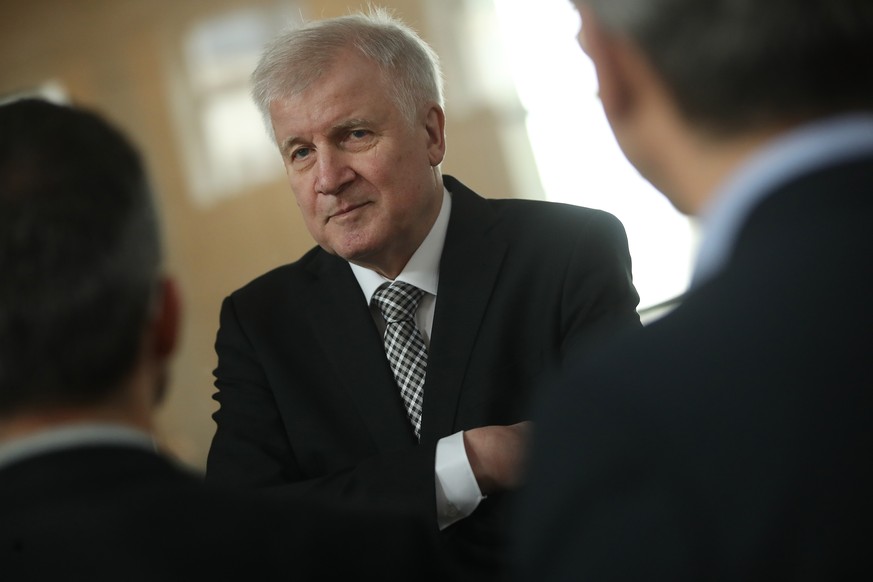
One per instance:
(167,318)
(580,37)
(606,51)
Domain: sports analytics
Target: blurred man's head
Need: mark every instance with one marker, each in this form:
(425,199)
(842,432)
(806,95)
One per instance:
(83,304)
(724,70)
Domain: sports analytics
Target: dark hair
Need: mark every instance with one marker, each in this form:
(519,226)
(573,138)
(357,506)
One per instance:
(79,255)
(735,65)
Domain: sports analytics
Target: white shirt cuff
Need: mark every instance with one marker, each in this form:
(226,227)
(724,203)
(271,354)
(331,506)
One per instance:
(457,492)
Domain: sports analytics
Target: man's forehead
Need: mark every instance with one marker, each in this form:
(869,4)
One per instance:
(327,112)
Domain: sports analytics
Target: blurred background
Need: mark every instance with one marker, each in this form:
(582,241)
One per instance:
(523,121)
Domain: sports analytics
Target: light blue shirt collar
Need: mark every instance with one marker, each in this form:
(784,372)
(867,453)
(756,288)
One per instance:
(71,436)
(806,149)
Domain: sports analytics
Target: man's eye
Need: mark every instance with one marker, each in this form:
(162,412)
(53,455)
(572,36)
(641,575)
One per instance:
(358,133)
(299,153)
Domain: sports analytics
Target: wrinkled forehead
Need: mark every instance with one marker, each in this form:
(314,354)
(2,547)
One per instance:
(301,77)
(351,92)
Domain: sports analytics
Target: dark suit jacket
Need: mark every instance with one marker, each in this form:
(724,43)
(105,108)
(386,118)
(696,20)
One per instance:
(732,439)
(114,512)
(308,400)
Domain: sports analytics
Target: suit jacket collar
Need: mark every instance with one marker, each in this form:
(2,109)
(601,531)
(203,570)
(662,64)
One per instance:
(807,149)
(471,260)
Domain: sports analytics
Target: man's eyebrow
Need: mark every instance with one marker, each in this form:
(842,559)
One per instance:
(348,124)
(338,129)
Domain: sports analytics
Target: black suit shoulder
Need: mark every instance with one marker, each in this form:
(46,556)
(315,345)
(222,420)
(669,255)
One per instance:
(524,216)
(732,435)
(118,513)
(290,274)
(113,512)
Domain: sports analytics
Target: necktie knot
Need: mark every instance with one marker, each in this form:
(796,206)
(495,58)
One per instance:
(397,301)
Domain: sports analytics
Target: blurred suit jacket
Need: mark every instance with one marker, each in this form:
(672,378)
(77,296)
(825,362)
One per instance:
(308,400)
(733,438)
(116,512)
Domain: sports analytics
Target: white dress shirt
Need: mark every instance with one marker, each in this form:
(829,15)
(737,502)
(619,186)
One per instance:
(458,494)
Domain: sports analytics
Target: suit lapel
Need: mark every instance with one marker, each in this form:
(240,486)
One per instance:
(350,341)
(470,262)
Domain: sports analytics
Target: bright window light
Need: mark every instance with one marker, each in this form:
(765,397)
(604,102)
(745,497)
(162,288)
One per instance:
(576,154)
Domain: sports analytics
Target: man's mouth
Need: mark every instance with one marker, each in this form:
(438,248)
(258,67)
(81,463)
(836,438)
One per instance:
(344,210)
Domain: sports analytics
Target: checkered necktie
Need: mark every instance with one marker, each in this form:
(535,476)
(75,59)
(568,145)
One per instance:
(404,346)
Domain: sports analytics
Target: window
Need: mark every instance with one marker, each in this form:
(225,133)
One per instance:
(226,146)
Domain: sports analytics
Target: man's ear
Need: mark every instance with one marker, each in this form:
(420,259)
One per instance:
(435,124)
(167,318)
(608,53)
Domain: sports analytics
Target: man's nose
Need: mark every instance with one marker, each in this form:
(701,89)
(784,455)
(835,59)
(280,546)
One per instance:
(333,172)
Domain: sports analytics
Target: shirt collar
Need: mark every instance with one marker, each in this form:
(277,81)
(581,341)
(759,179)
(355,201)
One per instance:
(806,149)
(71,436)
(423,268)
